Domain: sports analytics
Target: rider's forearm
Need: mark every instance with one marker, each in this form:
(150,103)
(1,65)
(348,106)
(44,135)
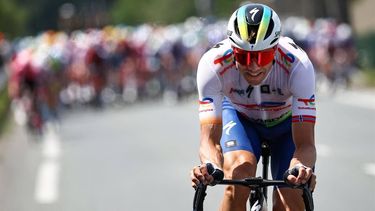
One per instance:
(210,150)
(303,137)
(305,155)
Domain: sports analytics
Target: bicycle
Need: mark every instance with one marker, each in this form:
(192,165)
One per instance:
(258,185)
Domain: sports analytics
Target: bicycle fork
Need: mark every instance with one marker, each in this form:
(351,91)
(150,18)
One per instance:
(259,196)
(266,153)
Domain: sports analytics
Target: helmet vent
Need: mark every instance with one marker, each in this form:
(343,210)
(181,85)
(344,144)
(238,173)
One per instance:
(232,40)
(269,30)
(236,30)
(252,32)
(274,40)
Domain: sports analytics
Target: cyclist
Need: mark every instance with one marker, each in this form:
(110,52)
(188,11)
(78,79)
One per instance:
(252,86)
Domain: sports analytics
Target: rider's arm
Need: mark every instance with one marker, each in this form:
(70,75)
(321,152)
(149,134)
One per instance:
(302,83)
(210,94)
(210,150)
(303,137)
(210,103)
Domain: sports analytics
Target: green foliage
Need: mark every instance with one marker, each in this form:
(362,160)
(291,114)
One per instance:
(366,48)
(12,18)
(161,11)
(370,77)
(28,17)
(165,11)
(225,8)
(4,108)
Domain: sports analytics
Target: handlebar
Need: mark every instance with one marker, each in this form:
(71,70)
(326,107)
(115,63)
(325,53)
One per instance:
(252,182)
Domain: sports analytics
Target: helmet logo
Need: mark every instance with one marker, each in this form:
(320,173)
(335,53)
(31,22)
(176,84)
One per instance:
(254,11)
(251,36)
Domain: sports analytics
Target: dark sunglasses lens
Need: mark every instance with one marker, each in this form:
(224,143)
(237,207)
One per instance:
(242,58)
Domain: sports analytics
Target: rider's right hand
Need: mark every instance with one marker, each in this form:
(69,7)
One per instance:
(206,173)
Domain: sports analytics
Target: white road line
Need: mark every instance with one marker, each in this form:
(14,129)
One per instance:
(51,146)
(369,168)
(46,191)
(47,180)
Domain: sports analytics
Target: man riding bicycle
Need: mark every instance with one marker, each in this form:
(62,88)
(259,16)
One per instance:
(253,86)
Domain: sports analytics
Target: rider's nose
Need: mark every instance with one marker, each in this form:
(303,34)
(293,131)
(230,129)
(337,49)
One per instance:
(253,65)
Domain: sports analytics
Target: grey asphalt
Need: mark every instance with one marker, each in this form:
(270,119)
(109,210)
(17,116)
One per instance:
(138,157)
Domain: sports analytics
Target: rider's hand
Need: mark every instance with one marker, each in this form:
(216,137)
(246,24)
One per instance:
(301,174)
(206,173)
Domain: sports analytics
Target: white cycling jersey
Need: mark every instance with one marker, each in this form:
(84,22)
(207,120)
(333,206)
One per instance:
(287,90)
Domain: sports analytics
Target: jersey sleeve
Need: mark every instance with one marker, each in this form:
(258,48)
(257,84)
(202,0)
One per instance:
(209,92)
(302,85)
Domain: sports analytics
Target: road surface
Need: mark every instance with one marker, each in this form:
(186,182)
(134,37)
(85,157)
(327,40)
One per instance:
(138,157)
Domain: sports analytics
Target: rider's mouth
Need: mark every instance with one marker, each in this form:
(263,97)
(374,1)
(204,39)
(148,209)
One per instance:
(251,74)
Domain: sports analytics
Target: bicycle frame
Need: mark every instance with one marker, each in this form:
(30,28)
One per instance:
(265,153)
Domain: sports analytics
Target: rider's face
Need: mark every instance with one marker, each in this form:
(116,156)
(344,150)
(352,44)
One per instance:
(253,73)
(254,65)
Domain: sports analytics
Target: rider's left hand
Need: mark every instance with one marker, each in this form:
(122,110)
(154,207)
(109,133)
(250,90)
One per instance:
(304,175)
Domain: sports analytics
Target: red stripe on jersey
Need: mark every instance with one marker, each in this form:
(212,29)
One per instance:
(282,66)
(304,118)
(226,68)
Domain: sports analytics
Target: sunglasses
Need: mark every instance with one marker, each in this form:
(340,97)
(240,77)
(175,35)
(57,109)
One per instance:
(262,58)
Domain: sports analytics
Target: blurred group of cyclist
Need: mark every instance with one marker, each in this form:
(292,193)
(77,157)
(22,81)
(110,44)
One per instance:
(128,64)
(101,66)
(331,47)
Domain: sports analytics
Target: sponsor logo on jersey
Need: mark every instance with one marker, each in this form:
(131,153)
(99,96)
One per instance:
(227,58)
(308,102)
(264,89)
(285,60)
(206,100)
(206,105)
(238,91)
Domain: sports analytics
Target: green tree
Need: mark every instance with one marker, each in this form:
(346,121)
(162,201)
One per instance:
(12,18)
(162,11)
(225,8)
(168,11)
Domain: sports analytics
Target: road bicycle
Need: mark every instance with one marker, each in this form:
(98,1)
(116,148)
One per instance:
(258,185)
